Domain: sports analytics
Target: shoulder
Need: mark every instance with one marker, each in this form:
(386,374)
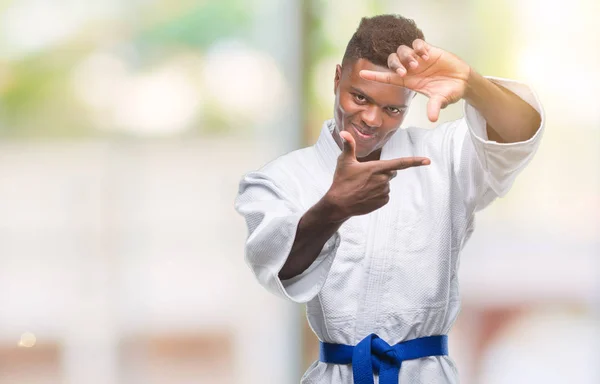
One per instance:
(286,173)
(439,137)
(290,164)
(436,143)
(431,134)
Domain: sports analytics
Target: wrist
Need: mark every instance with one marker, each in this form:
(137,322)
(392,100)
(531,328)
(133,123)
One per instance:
(476,88)
(331,211)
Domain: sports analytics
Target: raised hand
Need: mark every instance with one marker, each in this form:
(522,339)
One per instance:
(359,188)
(429,70)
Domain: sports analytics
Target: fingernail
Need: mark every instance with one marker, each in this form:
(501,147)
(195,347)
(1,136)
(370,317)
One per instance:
(425,57)
(400,71)
(413,64)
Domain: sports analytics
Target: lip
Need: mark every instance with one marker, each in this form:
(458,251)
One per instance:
(363,135)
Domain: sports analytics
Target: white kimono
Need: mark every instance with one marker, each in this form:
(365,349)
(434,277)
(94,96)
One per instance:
(392,272)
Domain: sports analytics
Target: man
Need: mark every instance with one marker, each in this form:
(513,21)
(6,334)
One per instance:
(367,225)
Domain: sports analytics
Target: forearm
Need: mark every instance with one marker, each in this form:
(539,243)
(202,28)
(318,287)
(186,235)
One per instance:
(509,118)
(316,226)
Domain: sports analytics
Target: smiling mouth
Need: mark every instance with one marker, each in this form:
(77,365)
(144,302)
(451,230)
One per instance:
(362,133)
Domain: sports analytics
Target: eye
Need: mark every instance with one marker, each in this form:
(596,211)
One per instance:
(359,98)
(394,110)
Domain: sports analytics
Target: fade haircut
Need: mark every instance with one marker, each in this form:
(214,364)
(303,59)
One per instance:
(378,36)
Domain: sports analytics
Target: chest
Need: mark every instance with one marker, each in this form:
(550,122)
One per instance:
(421,200)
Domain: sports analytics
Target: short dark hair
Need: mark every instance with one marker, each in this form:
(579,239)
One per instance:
(378,36)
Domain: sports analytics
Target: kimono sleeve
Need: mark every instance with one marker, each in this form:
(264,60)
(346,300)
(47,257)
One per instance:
(272,220)
(485,169)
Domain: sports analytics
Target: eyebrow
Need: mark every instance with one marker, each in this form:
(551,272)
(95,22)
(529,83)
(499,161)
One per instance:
(370,99)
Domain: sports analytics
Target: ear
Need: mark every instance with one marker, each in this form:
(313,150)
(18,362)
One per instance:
(337,78)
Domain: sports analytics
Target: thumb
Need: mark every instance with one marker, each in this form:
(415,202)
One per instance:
(434,105)
(349,145)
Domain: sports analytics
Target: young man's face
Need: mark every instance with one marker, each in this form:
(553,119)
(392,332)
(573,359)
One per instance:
(370,111)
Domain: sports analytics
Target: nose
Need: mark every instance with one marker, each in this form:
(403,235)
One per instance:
(372,116)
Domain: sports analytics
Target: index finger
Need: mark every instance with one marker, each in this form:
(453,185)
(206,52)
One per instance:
(421,48)
(382,77)
(401,163)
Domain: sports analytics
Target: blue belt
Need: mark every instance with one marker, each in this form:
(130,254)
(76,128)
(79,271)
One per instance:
(373,355)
